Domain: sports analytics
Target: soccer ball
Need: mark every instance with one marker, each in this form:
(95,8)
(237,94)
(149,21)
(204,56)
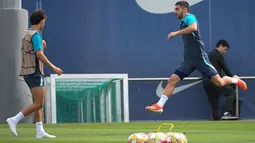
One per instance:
(176,138)
(138,138)
(157,138)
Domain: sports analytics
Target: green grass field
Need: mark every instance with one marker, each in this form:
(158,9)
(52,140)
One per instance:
(196,132)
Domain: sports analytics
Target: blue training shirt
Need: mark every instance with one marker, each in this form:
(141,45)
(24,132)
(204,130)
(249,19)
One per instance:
(193,45)
(37,41)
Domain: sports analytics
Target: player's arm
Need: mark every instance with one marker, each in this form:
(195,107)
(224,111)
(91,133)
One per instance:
(44,44)
(40,55)
(191,28)
(38,48)
(191,22)
(224,67)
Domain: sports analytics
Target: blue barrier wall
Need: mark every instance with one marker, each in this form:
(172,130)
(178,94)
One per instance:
(114,36)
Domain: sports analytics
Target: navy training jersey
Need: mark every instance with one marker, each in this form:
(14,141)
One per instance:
(193,45)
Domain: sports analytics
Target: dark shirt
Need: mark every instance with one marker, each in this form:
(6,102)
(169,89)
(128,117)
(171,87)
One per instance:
(218,61)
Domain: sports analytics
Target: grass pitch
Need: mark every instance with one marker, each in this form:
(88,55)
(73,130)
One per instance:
(196,132)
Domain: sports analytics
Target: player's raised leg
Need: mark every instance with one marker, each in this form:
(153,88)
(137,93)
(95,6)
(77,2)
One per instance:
(182,71)
(207,69)
(218,81)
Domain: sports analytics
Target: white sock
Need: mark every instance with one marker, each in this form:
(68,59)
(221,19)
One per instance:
(39,128)
(162,100)
(18,117)
(234,80)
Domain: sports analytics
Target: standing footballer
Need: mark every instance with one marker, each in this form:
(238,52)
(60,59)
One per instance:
(33,59)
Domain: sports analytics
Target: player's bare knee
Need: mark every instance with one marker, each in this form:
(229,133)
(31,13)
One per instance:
(222,84)
(219,83)
(39,105)
(173,80)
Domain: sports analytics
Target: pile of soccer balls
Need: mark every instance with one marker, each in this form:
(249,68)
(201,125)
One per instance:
(159,137)
(170,137)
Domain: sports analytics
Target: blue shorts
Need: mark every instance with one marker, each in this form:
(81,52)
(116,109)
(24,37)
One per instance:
(34,81)
(203,65)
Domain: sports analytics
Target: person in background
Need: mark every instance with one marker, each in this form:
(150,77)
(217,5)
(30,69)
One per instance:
(213,92)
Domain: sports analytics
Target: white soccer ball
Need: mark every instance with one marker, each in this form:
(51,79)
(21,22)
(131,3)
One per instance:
(173,137)
(157,138)
(138,138)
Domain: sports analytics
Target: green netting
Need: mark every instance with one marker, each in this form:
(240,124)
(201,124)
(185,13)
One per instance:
(86,100)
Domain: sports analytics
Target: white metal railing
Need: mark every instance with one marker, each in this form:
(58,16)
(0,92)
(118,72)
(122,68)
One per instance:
(195,79)
(187,78)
